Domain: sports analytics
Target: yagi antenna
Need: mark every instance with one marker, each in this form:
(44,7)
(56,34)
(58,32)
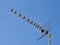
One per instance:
(37,26)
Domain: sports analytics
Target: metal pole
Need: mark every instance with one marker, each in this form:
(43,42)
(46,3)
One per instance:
(49,39)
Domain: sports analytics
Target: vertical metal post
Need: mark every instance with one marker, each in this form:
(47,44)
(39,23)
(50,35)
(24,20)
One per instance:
(49,39)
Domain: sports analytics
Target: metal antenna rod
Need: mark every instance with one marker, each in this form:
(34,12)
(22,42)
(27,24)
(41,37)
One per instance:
(49,39)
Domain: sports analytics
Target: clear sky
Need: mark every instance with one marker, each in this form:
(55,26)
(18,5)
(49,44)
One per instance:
(15,31)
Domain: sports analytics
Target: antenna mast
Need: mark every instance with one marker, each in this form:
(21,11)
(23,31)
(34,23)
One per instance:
(49,39)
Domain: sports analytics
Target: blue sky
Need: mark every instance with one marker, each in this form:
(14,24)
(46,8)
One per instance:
(15,31)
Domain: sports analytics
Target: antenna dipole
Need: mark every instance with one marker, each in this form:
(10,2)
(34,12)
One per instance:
(49,39)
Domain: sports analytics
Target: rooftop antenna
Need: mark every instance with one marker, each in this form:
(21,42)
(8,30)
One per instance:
(37,26)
